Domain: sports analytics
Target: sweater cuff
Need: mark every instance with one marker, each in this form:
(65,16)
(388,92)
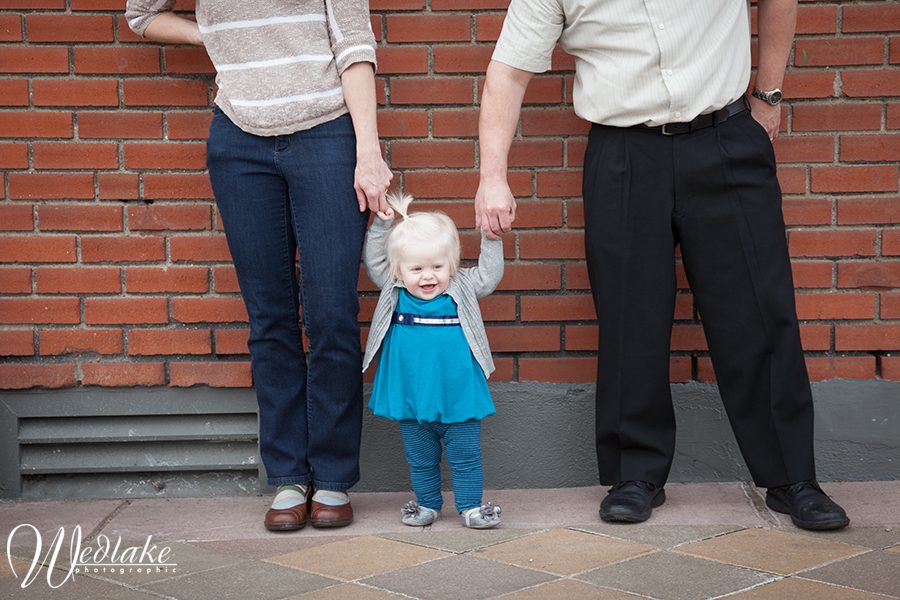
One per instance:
(354,50)
(380,224)
(138,15)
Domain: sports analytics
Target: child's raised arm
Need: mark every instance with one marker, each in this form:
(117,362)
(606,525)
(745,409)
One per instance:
(487,275)
(375,255)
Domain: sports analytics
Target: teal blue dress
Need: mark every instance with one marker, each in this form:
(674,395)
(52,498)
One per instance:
(427,373)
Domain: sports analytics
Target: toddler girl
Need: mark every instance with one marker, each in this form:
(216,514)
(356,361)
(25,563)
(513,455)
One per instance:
(435,358)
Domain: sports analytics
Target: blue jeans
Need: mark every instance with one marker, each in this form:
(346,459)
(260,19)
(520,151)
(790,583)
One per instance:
(276,195)
(462,441)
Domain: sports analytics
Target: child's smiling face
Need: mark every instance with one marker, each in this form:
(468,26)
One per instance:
(424,271)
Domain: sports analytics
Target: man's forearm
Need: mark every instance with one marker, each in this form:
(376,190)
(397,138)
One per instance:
(501,104)
(776,24)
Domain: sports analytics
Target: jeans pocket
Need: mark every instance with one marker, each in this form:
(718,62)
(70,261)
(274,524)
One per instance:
(216,142)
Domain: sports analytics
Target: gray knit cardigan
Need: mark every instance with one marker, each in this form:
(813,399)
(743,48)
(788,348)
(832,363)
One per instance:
(466,287)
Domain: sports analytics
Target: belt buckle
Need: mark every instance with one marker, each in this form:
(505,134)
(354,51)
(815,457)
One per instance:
(665,129)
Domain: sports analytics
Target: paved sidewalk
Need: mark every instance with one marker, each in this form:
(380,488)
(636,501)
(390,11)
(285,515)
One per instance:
(707,541)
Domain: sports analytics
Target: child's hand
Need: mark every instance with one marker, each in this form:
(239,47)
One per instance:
(386,214)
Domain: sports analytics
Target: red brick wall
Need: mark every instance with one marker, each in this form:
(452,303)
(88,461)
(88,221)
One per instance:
(115,271)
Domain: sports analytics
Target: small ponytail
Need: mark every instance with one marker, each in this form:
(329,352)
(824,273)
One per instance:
(432,228)
(400,203)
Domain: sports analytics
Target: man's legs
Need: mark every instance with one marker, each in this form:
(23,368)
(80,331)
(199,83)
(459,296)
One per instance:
(728,216)
(628,198)
(717,189)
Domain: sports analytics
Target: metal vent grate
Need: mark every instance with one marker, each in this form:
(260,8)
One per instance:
(91,443)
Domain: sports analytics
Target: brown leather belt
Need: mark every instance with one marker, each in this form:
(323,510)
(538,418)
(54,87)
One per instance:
(712,119)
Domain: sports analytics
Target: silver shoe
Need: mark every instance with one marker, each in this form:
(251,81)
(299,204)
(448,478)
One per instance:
(481,517)
(418,516)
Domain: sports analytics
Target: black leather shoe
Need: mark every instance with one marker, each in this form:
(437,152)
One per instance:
(808,506)
(631,501)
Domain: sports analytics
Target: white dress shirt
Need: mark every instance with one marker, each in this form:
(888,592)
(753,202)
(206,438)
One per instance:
(636,61)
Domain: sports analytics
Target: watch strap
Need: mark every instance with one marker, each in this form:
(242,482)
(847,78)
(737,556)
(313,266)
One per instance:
(766,96)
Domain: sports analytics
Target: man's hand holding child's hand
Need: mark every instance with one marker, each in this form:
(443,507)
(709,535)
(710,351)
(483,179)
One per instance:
(386,214)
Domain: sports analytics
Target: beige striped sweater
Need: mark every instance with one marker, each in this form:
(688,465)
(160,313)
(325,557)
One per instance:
(278,63)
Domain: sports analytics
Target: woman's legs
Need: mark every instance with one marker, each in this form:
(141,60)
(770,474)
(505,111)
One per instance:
(318,165)
(252,198)
(275,194)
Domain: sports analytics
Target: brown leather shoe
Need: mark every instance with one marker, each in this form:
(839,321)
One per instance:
(323,515)
(289,519)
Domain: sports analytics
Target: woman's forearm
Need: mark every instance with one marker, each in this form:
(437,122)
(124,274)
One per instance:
(169,28)
(358,83)
(372,176)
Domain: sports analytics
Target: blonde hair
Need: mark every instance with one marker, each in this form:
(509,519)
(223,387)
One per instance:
(428,228)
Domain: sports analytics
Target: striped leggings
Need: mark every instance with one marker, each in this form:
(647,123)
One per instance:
(462,441)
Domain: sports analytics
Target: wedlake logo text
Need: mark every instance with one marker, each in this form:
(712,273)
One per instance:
(100,556)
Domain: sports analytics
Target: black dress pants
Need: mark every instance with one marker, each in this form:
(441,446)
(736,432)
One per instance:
(713,192)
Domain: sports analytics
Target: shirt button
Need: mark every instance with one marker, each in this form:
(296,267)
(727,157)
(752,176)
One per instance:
(677,114)
(661,26)
(668,71)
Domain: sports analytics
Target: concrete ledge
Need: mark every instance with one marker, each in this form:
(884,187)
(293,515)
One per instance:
(541,437)
(869,504)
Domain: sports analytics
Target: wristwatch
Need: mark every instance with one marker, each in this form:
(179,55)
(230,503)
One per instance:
(773,97)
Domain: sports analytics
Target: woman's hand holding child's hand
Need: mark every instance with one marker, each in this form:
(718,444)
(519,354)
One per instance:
(386,214)
(371,180)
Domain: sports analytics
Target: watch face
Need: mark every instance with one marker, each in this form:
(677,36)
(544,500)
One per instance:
(774,97)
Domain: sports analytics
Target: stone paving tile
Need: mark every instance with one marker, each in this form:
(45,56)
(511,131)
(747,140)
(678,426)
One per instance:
(458,576)
(265,547)
(459,540)
(527,508)
(563,551)
(567,589)
(184,560)
(80,588)
(49,516)
(348,591)
(675,577)
(770,550)
(661,536)
(250,579)
(192,519)
(356,558)
(876,571)
(63,559)
(704,504)
(20,566)
(870,537)
(869,503)
(801,589)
